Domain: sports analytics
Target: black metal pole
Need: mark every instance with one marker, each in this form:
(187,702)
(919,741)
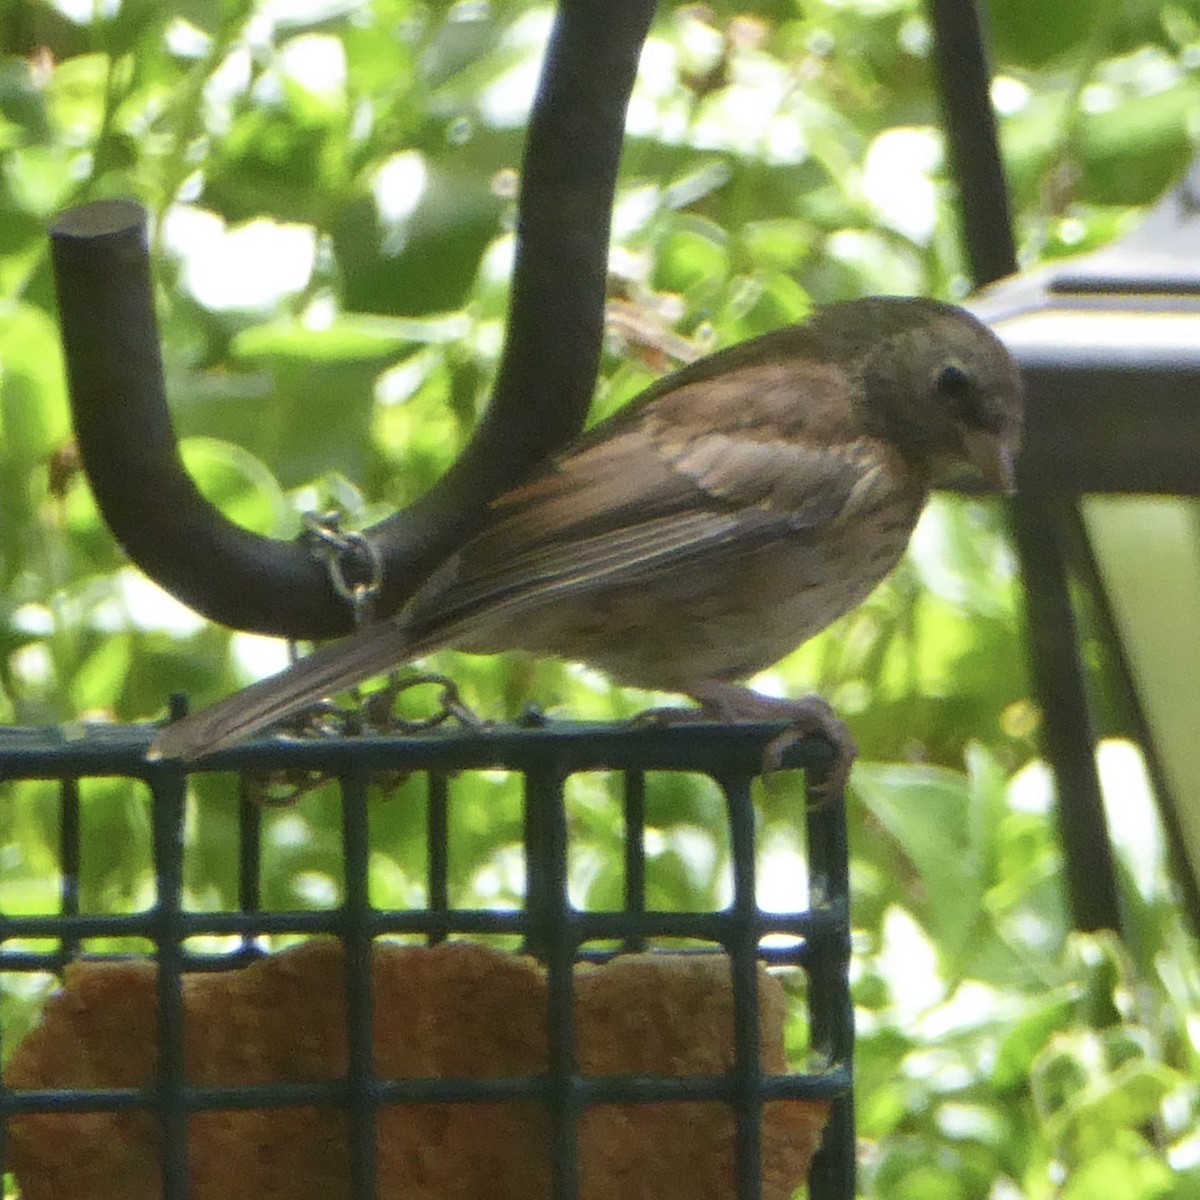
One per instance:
(1060,680)
(964,79)
(556,312)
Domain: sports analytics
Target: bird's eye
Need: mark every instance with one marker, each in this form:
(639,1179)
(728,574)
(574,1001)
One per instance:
(955,384)
(968,400)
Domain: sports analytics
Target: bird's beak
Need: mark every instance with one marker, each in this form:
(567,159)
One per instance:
(982,465)
(994,460)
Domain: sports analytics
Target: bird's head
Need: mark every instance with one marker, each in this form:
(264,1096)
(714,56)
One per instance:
(939,386)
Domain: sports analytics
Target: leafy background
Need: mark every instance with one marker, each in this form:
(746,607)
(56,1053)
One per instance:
(331,187)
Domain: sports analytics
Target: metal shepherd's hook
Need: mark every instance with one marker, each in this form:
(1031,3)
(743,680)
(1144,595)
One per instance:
(540,400)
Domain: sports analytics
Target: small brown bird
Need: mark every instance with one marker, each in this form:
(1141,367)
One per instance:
(718,521)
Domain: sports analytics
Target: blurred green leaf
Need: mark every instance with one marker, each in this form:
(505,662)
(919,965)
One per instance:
(1140,148)
(1127,1170)
(925,810)
(348,338)
(1030,34)
(238,484)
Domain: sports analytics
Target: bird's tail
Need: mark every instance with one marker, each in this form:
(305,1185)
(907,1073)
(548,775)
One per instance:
(327,671)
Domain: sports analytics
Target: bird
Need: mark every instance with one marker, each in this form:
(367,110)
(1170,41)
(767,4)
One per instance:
(714,524)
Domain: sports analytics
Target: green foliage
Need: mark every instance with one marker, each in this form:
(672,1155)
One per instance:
(331,185)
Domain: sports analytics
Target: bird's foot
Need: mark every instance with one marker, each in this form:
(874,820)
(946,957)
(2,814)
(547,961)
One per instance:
(805,715)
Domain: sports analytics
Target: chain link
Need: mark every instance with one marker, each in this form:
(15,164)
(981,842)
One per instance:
(379,708)
(345,553)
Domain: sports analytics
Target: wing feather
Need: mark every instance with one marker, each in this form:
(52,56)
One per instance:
(613,520)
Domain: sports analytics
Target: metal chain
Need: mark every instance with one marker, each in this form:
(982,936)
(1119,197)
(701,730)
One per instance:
(284,788)
(379,707)
(344,553)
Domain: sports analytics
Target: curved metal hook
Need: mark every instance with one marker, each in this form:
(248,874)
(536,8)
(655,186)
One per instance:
(539,402)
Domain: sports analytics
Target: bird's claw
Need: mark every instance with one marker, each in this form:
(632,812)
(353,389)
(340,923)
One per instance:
(819,720)
(806,716)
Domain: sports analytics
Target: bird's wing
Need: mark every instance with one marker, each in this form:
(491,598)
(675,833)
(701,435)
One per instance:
(624,510)
(740,437)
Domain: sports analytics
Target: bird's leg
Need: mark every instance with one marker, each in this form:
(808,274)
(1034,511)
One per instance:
(805,715)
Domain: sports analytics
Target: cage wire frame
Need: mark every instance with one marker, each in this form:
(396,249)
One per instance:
(548,925)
